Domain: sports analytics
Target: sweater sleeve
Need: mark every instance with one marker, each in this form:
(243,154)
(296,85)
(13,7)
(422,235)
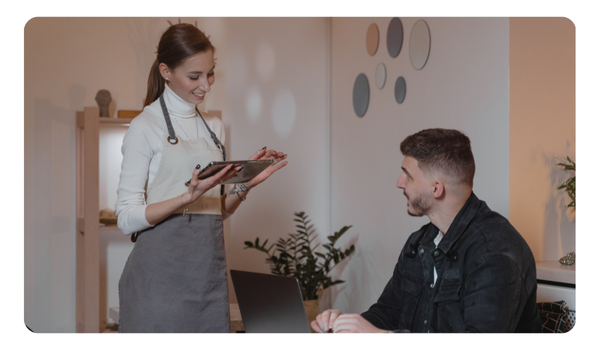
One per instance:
(131,201)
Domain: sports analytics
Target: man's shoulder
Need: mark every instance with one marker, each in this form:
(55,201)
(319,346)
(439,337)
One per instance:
(494,234)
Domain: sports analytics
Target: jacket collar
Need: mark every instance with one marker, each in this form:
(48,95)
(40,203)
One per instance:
(458,226)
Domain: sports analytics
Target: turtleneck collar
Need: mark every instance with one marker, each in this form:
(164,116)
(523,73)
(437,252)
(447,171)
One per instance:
(178,107)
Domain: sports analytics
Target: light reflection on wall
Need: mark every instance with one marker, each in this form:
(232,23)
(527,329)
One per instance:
(254,103)
(284,113)
(265,61)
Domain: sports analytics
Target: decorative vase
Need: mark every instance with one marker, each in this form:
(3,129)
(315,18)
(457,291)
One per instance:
(312,310)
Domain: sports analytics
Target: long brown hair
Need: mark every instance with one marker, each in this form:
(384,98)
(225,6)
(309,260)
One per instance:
(177,43)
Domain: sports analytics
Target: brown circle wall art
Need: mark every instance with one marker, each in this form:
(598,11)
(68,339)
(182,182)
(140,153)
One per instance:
(372,39)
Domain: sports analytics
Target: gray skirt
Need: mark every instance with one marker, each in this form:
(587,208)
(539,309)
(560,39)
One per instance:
(175,279)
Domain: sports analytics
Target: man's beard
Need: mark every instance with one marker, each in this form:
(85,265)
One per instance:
(419,206)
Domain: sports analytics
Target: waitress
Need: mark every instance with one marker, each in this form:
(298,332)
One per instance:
(175,279)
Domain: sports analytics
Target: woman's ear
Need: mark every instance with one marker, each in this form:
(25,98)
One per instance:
(164,71)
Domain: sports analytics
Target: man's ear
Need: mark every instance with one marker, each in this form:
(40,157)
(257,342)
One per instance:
(438,189)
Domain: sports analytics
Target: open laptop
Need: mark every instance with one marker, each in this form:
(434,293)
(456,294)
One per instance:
(269,303)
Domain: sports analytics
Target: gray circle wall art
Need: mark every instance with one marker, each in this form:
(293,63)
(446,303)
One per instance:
(360,95)
(400,89)
(419,45)
(395,37)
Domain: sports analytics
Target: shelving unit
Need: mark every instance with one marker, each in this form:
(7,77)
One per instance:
(88,310)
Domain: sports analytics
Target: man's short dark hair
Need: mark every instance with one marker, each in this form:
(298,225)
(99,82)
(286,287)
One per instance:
(442,150)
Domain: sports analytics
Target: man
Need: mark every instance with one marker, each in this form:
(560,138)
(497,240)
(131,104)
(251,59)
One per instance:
(468,270)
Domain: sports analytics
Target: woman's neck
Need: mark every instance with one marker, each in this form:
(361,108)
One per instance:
(178,107)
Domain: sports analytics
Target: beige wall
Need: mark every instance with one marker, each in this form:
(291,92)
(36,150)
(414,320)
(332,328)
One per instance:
(542,130)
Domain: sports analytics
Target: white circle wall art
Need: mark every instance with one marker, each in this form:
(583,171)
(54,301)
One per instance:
(360,95)
(380,76)
(400,89)
(419,45)
(372,39)
(395,37)
(284,113)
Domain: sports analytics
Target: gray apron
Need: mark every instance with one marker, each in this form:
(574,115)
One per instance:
(175,279)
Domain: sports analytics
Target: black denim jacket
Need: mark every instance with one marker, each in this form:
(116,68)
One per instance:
(486,279)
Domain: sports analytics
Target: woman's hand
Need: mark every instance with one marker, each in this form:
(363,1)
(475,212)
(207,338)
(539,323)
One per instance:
(278,163)
(157,212)
(198,187)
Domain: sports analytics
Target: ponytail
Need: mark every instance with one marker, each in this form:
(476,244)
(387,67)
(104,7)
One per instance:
(156,84)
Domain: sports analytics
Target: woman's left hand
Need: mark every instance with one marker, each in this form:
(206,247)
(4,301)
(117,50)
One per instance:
(278,163)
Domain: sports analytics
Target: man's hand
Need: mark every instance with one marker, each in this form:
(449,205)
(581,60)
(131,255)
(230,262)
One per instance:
(324,321)
(354,323)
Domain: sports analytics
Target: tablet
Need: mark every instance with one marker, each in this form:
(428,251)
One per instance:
(250,169)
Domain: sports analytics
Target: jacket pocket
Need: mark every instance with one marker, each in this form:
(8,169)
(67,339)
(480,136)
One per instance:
(449,291)
(410,295)
(449,306)
(411,285)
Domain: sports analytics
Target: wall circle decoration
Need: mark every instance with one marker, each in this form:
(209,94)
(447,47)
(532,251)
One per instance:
(380,75)
(372,39)
(395,36)
(360,95)
(420,44)
(400,89)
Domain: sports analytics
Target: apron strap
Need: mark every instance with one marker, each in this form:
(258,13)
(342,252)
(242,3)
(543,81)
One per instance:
(217,142)
(172,138)
(213,136)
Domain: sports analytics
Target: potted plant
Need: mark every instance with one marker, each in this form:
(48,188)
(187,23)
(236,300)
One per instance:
(569,187)
(297,256)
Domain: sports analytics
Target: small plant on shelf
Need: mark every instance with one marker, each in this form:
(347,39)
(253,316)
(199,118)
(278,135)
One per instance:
(569,187)
(297,257)
(569,184)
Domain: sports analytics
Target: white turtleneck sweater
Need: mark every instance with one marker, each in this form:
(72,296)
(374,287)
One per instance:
(142,149)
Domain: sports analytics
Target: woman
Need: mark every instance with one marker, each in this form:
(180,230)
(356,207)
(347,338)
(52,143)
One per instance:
(175,277)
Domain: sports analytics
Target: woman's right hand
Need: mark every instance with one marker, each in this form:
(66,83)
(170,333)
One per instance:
(198,187)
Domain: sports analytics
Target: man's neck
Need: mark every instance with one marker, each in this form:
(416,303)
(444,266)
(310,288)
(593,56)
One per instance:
(443,215)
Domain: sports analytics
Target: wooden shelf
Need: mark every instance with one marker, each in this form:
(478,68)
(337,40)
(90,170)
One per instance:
(116,121)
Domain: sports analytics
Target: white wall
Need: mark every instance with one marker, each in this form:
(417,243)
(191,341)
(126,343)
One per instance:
(274,92)
(464,86)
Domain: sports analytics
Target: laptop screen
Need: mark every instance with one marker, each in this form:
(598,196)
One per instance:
(269,303)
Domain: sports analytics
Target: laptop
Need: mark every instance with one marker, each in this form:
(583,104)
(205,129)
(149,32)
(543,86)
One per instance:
(269,303)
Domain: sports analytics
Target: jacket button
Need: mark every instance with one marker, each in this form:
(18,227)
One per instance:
(436,253)
(432,285)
